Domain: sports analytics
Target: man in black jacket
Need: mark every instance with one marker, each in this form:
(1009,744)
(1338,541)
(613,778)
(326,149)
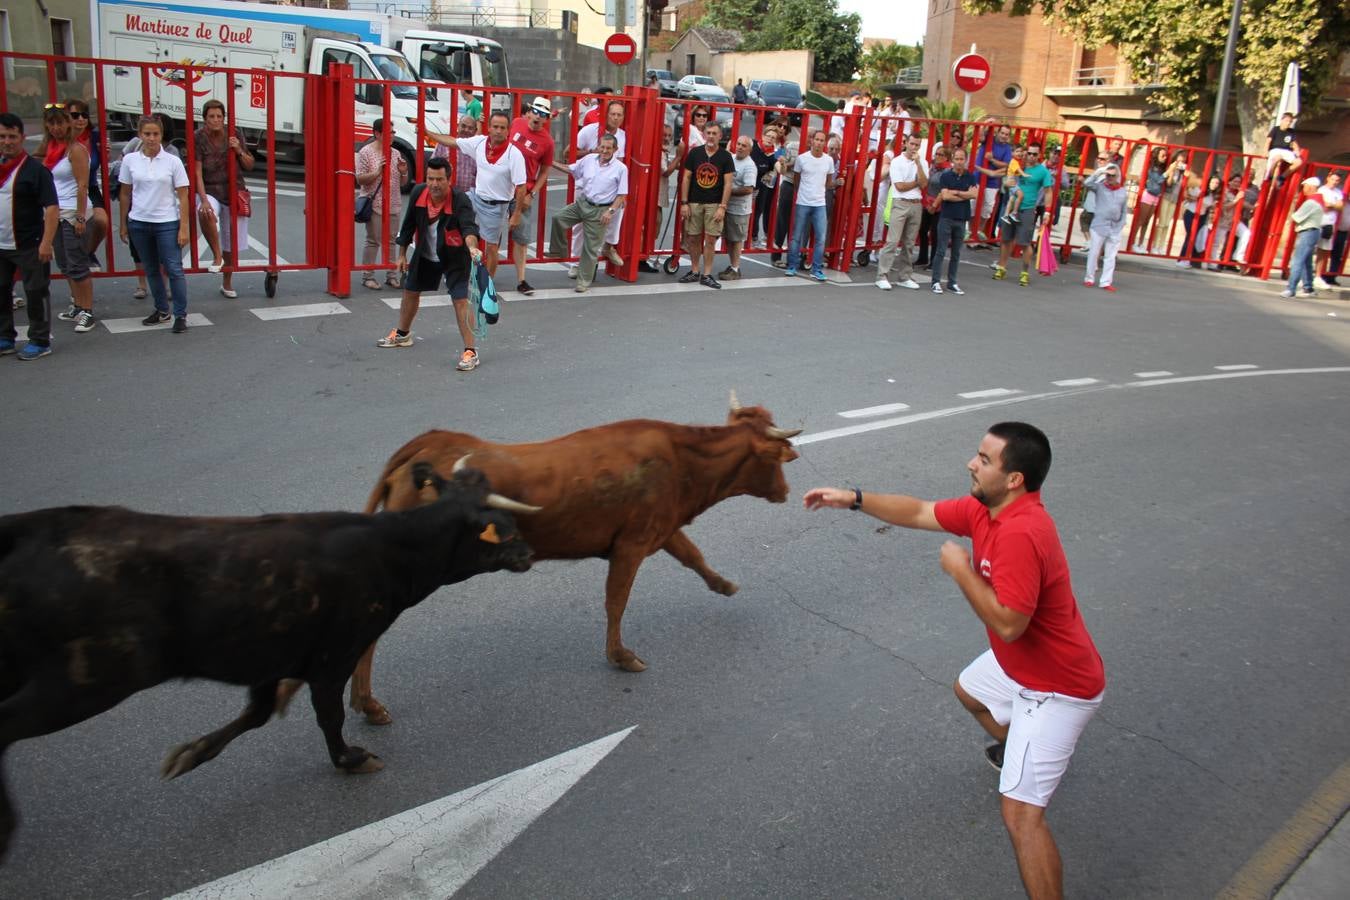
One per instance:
(29,215)
(439,224)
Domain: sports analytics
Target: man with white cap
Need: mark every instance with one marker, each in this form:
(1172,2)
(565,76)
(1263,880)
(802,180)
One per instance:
(530,135)
(588,141)
(1108,219)
(1307,219)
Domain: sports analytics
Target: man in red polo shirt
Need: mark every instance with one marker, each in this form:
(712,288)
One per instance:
(1040,682)
(530,134)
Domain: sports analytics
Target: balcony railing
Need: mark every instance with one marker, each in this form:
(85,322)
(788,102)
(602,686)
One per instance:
(910,75)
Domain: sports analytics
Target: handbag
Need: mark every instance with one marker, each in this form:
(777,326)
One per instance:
(365,206)
(242,206)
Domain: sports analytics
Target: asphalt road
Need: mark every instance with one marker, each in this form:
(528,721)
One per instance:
(799,739)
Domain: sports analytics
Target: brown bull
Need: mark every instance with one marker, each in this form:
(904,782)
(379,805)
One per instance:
(619,492)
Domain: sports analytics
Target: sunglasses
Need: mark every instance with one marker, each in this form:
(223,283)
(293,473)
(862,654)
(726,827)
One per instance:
(47,106)
(75,114)
(700,115)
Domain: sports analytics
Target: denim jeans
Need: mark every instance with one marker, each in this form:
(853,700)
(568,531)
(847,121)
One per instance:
(157,245)
(1302,264)
(951,234)
(815,218)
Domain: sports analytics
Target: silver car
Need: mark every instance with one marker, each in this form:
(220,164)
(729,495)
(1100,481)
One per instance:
(700,87)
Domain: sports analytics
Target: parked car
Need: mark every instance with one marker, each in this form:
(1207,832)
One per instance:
(666,80)
(777,94)
(701,87)
(752,92)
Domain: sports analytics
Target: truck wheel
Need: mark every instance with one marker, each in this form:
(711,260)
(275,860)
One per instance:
(270,285)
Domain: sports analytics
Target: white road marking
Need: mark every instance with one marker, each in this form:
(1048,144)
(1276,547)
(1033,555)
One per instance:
(1248,374)
(267,313)
(1236,368)
(429,851)
(868,412)
(850,430)
(622,289)
(991,392)
(1161,374)
(1076,382)
(128,326)
(204,249)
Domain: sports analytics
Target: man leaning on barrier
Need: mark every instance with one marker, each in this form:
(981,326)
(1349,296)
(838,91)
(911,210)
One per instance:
(602,190)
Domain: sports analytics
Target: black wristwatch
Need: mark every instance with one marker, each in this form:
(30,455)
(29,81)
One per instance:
(857,499)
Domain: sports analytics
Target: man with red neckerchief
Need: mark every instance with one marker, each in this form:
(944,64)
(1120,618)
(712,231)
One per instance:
(29,215)
(1042,679)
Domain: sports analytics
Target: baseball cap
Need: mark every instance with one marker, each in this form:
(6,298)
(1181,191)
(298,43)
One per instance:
(1313,180)
(542,106)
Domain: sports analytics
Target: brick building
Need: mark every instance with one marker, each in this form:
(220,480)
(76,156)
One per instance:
(1044,77)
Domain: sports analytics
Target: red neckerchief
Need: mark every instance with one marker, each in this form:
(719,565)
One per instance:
(85,141)
(494,154)
(56,151)
(9,168)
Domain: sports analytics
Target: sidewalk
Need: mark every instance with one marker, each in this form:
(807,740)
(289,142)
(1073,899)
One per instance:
(1325,874)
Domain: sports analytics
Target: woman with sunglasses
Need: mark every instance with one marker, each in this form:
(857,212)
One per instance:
(82,130)
(68,162)
(698,117)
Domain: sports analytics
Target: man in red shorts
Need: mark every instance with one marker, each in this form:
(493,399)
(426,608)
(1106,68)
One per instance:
(1040,682)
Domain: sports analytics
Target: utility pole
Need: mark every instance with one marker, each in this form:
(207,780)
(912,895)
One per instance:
(1225,78)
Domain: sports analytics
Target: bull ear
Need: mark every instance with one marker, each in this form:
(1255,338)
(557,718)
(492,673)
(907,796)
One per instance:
(424,474)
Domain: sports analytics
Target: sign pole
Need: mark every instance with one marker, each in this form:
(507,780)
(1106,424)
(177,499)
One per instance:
(965,107)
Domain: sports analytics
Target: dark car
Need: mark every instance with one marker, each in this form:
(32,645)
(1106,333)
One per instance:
(781,95)
(666,80)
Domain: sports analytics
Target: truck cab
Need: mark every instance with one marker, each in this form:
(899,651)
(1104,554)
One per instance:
(450,58)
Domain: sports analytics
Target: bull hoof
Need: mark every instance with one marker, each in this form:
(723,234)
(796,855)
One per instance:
(629,662)
(360,762)
(375,713)
(725,588)
(181,759)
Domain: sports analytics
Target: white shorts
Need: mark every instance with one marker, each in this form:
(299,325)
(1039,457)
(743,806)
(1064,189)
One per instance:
(233,230)
(1042,729)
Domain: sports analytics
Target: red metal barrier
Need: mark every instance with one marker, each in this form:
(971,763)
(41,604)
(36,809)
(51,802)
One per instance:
(1242,214)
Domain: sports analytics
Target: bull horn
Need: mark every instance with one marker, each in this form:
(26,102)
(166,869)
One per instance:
(782,434)
(460,463)
(497,501)
(735,404)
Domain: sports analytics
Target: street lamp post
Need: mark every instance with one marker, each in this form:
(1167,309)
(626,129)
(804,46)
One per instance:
(1225,78)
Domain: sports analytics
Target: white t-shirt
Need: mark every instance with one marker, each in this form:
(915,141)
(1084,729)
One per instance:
(812,173)
(495,181)
(1330,195)
(746,175)
(588,138)
(154,182)
(903,169)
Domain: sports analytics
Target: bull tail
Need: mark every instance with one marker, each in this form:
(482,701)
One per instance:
(379,495)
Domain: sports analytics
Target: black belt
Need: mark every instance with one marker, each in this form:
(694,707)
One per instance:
(593,203)
(494,202)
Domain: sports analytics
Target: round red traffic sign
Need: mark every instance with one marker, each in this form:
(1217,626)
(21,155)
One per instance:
(620,49)
(971,72)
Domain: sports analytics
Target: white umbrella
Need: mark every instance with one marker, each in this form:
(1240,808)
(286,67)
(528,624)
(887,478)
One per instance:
(1289,94)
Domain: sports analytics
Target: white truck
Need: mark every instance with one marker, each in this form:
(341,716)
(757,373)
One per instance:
(178,33)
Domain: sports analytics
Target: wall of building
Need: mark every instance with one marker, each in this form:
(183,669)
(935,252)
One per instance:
(550,59)
(28,29)
(787,65)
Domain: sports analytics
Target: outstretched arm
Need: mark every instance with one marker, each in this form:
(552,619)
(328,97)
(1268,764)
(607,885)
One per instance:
(897,509)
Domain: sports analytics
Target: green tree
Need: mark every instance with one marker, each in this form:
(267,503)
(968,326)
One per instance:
(883,63)
(1183,42)
(795,25)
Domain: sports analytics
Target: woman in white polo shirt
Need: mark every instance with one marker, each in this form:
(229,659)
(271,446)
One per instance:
(154,190)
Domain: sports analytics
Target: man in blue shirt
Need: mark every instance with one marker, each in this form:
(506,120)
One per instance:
(1020,234)
(991,162)
(958,188)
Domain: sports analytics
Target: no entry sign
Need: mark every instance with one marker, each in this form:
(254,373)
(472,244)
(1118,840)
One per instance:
(971,72)
(620,49)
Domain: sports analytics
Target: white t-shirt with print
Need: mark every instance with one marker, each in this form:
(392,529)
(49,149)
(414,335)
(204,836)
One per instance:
(746,176)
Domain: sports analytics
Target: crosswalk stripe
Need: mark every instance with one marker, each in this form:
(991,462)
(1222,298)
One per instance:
(128,326)
(267,313)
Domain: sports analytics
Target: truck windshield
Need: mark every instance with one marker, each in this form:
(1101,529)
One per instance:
(395,68)
(494,67)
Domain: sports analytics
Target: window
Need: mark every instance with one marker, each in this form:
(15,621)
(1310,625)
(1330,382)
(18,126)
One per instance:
(63,44)
(1013,95)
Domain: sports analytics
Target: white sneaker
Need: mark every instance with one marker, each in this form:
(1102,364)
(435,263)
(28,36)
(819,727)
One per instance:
(910,284)
(1321,283)
(1088,282)
(571,271)
(1286,293)
(953,287)
(884,283)
(1183,263)
(1137,248)
(937,287)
